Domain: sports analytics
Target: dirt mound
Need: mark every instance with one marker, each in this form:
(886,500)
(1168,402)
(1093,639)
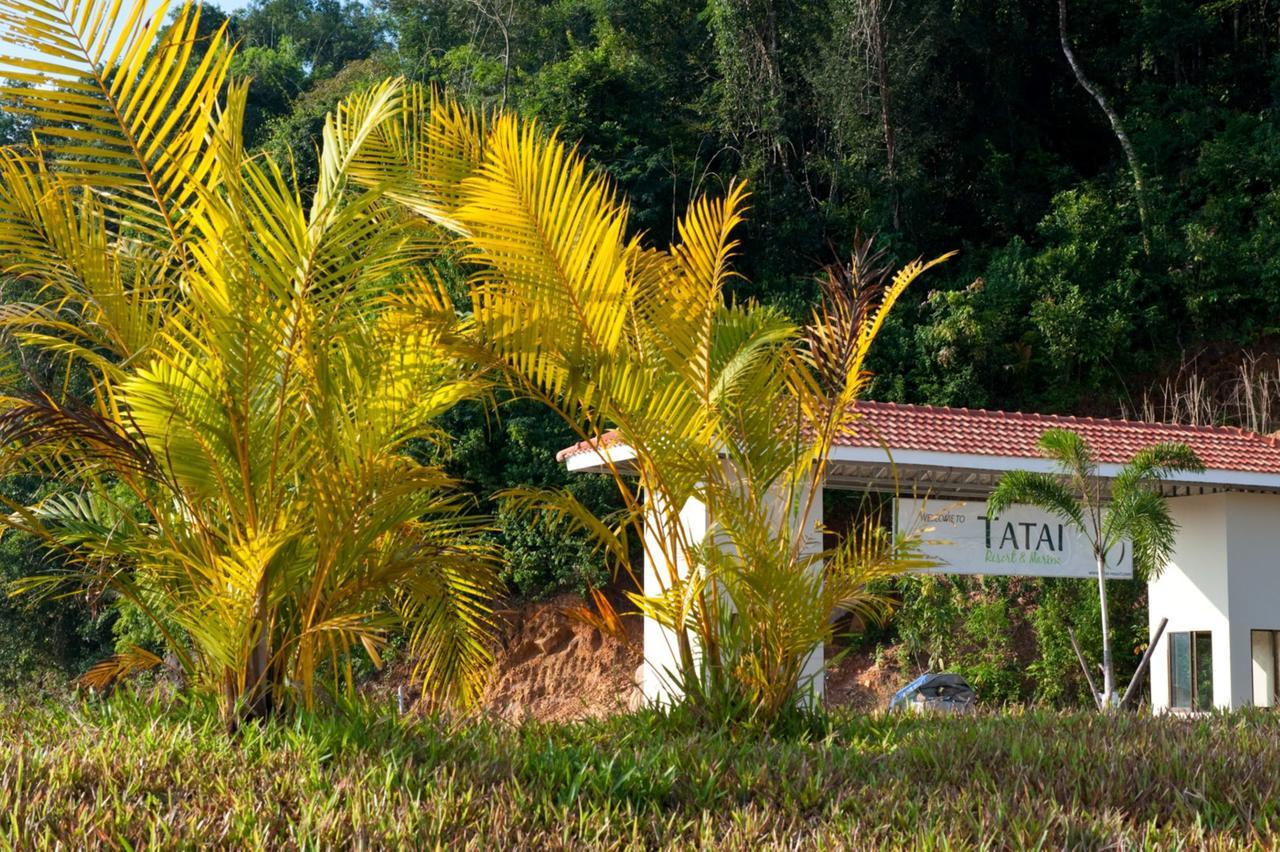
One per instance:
(859,681)
(552,668)
(549,667)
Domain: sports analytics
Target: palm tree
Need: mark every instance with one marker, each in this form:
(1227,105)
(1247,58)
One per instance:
(1107,512)
(729,404)
(258,367)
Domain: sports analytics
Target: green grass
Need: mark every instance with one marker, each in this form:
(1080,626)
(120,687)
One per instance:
(127,774)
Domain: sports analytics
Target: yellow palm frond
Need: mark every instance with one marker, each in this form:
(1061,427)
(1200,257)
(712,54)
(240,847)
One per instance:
(103,674)
(126,103)
(61,237)
(421,156)
(554,286)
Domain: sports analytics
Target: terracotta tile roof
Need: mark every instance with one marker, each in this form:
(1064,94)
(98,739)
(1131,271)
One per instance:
(1012,434)
(609,438)
(1006,433)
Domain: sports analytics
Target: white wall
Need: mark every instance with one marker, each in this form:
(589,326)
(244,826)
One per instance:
(661,651)
(1224,577)
(1192,591)
(1253,550)
(813,674)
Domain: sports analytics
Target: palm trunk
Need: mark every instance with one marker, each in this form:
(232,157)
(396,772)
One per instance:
(1108,673)
(258,684)
(248,695)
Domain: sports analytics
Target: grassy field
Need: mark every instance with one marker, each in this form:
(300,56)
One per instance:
(124,774)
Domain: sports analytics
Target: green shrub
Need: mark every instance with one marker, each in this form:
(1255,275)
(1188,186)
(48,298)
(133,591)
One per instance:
(1008,636)
(989,661)
(44,641)
(541,558)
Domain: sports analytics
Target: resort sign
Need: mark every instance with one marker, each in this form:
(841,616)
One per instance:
(1022,541)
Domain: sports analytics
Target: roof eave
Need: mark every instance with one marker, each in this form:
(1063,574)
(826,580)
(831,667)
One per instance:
(980,462)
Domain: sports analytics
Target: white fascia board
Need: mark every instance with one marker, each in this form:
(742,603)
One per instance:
(1001,464)
(598,460)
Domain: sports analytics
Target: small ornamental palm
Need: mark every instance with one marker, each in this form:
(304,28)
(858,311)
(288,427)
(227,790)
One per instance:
(1107,512)
(729,404)
(258,367)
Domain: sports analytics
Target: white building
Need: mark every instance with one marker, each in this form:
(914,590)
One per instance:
(1220,592)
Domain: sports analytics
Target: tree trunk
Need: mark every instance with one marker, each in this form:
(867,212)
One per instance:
(1139,183)
(248,695)
(1084,667)
(506,62)
(879,44)
(1108,672)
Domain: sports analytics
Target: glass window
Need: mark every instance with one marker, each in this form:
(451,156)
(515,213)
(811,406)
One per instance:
(1265,647)
(1191,670)
(1180,670)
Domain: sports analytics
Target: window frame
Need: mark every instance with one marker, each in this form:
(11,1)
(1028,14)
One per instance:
(1275,666)
(1194,685)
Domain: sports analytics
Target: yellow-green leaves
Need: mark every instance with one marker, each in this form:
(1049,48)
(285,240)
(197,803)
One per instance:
(124,101)
(255,368)
(729,405)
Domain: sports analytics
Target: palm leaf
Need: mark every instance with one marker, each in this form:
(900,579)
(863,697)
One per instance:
(104,673)
(1037,489)
(126,104)
(550,237)
(1071,452)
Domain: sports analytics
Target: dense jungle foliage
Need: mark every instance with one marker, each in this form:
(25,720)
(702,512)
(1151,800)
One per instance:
(936,126)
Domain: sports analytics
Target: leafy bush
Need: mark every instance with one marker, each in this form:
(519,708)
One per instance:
(541,557)
(1008,636)
(991,665)
(518,444)
(42,640)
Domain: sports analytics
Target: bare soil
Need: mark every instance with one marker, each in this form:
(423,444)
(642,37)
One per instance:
(547,667)
(857,681)
(553,668)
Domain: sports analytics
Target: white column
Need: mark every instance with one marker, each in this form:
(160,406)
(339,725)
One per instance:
(661,650)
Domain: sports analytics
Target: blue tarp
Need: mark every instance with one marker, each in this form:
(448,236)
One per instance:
(945,687)
(909,690)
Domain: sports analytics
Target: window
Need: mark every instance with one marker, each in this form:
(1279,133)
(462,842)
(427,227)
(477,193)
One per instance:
(1265,646)
(1191,670)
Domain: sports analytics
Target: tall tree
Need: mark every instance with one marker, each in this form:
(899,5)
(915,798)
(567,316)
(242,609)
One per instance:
(1117,125)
